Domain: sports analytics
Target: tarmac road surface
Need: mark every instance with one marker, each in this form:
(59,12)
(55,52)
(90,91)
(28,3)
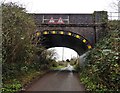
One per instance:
(62,80)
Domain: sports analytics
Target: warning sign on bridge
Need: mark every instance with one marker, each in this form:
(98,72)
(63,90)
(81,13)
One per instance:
(55,21)
(51,21)
(60,21)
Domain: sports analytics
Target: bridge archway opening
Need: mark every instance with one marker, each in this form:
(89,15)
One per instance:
(67,39)
(64,53)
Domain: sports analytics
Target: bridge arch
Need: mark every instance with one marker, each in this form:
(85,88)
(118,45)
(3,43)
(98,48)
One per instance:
(60,38)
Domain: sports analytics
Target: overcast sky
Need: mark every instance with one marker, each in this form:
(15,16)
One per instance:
(66,6)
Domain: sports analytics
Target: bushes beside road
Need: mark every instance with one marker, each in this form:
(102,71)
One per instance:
(103,63)
(21,60)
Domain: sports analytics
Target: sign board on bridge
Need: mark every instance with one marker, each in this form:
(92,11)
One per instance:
(55,19)
(60,21)
(51,20)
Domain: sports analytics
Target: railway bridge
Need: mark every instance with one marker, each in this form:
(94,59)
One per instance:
(79,32)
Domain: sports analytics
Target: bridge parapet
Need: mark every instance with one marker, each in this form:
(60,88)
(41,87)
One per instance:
(100,17)
(96,17)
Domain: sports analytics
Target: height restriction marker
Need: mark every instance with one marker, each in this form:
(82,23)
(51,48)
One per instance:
(60,21)
(51,21)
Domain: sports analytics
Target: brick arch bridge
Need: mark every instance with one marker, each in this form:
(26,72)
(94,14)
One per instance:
(79,32)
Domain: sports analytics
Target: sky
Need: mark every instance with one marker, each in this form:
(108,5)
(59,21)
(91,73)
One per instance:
(66,6)
(64,53)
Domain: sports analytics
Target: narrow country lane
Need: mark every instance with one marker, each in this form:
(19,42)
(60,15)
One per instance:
(58,81)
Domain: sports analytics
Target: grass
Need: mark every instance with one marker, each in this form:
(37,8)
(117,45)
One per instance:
(30,76)
(57,68)
(22,81)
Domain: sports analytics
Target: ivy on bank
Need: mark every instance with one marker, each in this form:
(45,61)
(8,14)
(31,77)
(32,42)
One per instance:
(103,65)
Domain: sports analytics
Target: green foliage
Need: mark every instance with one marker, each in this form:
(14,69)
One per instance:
(17,28)
(20,56)
(114,25)
(102,71)
(17,49)
(62,63)
(74,61)
(12,88)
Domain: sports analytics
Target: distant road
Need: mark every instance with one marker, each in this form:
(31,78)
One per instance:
(58,81)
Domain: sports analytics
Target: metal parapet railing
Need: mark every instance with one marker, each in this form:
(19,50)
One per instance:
(114,15)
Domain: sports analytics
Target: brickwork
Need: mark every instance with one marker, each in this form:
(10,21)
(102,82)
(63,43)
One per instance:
(90,26)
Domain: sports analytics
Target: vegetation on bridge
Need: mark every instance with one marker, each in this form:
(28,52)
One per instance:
(22,60)
(102,73)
